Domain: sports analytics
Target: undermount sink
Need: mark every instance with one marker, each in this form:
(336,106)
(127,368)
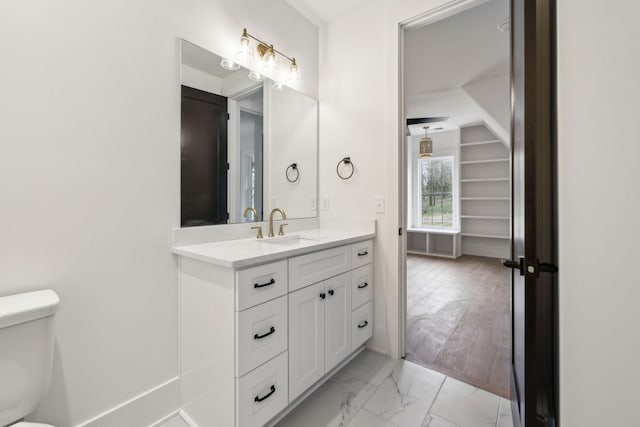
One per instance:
(288,240)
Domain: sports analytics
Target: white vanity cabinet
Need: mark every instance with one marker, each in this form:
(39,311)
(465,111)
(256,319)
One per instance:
(320,315)
(319,331)
(254,338)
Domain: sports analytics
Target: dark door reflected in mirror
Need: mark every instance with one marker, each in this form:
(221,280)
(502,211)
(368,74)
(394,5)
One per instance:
(203,171)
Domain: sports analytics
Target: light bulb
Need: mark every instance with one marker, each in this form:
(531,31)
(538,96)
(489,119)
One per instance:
(244,41)
(256,76)
(293,71)
(269,60)
(244,53)
(229,64)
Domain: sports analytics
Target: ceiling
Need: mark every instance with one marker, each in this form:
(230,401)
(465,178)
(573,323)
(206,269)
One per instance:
(325,11)
(457,50)
(201,59)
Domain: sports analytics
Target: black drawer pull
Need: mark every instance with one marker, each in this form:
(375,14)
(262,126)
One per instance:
(364,285)
(269,283)
(331,292)
(260,399)
(323,295)
(363,325)
(259,337)
(363,253)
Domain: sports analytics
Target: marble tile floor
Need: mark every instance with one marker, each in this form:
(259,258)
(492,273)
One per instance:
(376,391)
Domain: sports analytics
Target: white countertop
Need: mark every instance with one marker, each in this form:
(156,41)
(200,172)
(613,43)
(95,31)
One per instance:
(246,252)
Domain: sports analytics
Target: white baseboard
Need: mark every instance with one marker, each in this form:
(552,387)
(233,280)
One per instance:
(187,419)
(146,409)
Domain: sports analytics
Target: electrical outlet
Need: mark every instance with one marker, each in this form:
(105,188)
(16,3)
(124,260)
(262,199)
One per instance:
(378,204)
(324,203)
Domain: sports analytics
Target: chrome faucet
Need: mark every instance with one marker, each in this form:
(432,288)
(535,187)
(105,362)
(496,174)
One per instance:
(284,216)
(255,213)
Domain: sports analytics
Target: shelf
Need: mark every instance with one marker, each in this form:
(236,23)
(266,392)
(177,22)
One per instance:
(487,236)
(486,198)
(469,144)
(432,231)
(438,254)
(485,180)
(477,162)
(484,217)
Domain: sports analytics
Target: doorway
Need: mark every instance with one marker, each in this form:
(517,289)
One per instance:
(458,195)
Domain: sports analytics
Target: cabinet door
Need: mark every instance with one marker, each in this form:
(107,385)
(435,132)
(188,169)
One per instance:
(306,337)
(337,334)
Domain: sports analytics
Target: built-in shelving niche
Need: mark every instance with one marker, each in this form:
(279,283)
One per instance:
(485,193)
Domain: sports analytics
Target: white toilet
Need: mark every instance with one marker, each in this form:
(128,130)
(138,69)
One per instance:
(26,354)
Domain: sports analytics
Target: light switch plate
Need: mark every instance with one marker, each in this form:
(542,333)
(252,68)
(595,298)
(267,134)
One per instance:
(378,204)
(313,205)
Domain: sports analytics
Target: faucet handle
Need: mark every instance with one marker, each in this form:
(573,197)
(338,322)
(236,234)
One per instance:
(281,230)
(259,228)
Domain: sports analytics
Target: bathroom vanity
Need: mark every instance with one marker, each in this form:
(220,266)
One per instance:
(265,321)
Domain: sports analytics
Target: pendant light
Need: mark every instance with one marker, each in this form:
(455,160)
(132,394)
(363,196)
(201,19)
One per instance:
(426,145)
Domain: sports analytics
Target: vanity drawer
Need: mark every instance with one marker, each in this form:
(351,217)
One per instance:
(262,393)
(361,285)
(361,253)
(361,325)
(305,270)
(256,285)
(261,334)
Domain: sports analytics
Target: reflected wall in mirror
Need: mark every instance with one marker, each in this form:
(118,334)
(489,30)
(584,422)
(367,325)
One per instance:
(238,137)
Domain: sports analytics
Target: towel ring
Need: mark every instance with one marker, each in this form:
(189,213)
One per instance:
(293,167)
(347,161)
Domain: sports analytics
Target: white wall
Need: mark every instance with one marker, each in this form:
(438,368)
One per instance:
(197,79)
(598,284)
(89,177)
(291,136)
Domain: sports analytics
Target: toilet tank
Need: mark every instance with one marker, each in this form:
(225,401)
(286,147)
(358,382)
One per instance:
(26,351)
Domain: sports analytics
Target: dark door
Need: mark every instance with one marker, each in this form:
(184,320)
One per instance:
(203,153)
(534,232)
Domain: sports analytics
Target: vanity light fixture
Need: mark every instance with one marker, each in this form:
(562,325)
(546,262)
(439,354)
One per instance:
(268,55)
(426,145)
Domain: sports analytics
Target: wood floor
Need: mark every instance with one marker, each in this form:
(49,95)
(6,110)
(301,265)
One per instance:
(458,319)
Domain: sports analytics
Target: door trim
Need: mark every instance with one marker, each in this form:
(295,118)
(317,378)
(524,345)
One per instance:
(436,14)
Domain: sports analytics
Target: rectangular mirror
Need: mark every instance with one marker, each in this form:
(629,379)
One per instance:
(246,142)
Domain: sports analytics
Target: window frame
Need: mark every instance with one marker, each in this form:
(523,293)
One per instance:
(454,195)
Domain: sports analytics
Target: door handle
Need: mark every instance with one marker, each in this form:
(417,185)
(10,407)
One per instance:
(364,285)
(363,324)
(534,268)
(323,295)
(331,292)
(519,265)
(363,253)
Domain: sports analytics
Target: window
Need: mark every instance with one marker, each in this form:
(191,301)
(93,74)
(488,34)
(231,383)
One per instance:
(435,182)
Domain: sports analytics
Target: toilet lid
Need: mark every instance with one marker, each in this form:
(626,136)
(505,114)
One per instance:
(26,424)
